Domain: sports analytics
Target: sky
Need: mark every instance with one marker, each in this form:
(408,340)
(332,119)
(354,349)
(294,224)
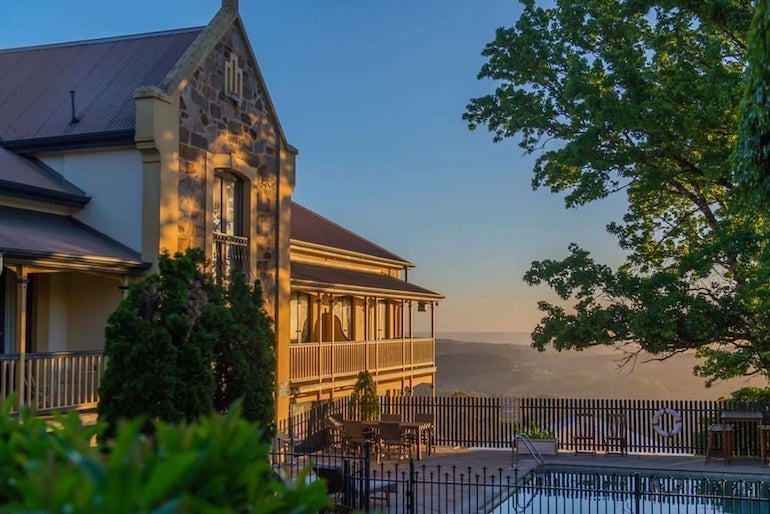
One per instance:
(372,94)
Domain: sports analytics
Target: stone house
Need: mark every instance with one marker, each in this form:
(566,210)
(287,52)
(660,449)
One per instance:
(114,150)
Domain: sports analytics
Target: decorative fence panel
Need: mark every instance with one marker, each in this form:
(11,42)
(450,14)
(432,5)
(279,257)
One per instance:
(652,426)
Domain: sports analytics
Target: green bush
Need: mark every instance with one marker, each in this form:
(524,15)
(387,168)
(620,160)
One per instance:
(180,346)
(244,363)
(364,402)
(217,464)
(535,432)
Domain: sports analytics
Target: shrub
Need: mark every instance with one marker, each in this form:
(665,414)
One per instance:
(180,346)
(364,403)
(215,465)
(535,432)
(245,355)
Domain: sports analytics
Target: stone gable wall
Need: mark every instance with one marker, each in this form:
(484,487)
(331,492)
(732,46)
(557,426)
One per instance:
(212,122)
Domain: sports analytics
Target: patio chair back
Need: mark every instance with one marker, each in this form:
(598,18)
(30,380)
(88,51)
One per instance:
(391,418)
(615,436)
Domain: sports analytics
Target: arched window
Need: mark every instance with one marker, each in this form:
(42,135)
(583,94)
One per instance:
(231,246)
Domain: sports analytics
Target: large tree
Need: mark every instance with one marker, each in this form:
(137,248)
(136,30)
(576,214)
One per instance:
(641,97)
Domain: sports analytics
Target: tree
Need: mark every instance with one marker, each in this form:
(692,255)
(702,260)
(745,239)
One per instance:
(245,355)
(753,151)
(364,402)
(159,347)
(641,97)
(179,346)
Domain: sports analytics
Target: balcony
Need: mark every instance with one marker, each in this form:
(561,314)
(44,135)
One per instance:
(48,382)
(230,253)
(316,364)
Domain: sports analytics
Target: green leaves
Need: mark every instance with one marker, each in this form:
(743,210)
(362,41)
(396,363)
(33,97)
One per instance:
(216,465)
(642,97)
(180,346)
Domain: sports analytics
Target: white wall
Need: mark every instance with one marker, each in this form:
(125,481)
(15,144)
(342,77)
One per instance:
(113,180)
(73,309)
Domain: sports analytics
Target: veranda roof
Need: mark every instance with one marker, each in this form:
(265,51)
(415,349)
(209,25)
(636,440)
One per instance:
(311,277)
(32,237)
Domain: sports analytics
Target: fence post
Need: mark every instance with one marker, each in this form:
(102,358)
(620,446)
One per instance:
(367,474)
(637,493)
(410,507)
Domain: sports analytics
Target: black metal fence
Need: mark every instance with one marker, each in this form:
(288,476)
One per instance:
(357,482)
(652,426)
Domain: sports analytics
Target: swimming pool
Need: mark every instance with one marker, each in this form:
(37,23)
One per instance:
(565,490)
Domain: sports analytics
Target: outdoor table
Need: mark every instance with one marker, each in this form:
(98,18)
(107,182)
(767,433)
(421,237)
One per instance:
(743,416)
(414,428)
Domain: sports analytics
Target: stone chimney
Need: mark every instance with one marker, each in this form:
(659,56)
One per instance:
(231,4)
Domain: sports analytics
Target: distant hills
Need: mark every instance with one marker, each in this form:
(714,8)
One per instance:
(505,364)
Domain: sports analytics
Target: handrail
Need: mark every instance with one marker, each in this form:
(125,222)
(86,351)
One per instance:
(524,438)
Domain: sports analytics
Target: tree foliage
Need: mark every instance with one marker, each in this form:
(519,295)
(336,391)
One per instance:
(216,464)
(245,355)
(753,152)
(364,402)
(641,97)
(179,346)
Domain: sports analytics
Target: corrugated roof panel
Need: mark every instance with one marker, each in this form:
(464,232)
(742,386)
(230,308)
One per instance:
(19,171)
(311,227)
(35,83)
(35,234)
(341,278)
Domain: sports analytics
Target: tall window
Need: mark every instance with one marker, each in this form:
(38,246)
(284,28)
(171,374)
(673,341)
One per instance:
(382,319)
(300,307)
(343,313)
(231,247)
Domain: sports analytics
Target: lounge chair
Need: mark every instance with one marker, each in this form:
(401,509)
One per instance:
(341,491)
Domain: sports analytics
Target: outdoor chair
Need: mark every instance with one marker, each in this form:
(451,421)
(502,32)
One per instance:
(335,427)
(353,438)
(391,418)
(723,435)
(390,439)
(340,491)
(429,434)
(584,435)
(615,435)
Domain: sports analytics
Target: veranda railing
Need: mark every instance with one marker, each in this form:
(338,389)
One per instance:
(53,381)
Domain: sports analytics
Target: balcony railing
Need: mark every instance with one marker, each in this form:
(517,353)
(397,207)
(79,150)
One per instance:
(53,381)
(230,253)
(326,361)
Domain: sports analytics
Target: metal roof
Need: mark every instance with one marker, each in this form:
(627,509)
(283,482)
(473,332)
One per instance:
(344,279)
(35,83)
(309,227)
(25,177)
(31,235)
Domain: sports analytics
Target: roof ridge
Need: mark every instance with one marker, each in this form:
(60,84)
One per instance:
(95,41)
(347,230)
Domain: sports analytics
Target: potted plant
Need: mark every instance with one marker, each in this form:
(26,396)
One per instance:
(543,440)
(364,402)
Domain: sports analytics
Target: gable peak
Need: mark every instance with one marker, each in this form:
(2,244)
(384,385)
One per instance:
(230,4)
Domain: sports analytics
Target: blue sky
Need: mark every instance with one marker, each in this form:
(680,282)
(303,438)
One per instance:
(372,93)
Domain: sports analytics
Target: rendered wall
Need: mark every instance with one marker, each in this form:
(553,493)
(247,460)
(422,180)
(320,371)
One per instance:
(72,310)
(113,180)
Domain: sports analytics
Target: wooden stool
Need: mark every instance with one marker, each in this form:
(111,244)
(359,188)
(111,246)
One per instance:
(725,435)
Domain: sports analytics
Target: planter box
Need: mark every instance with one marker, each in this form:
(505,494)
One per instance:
(542,446)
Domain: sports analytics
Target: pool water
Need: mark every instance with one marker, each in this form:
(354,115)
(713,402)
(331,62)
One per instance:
(560,490)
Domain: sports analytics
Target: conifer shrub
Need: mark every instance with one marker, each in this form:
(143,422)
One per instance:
(364,402)
(180,346)
(245,355)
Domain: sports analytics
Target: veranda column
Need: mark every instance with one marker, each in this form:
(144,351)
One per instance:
(21,331)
